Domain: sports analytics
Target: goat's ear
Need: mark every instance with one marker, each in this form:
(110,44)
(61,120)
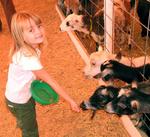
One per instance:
(118,56)
(121,92)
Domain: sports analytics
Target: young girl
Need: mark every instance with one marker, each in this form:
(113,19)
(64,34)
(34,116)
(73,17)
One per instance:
(25,66)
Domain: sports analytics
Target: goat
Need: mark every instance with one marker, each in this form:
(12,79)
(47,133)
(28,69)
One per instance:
(129,101)
(94,25)
(132,101)
(105,94)
(92,68)
(112,69)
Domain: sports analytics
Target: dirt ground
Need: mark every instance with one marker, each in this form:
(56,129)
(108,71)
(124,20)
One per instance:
(63,62)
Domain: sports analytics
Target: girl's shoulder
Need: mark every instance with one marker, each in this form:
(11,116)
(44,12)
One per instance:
(22,55)
(27,62)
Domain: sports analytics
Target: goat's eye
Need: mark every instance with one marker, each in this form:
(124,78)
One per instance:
(93,63)
(67,23)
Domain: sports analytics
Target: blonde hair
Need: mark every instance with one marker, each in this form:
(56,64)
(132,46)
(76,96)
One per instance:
(18,22)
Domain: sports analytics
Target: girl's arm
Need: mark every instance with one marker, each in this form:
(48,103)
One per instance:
(43,75)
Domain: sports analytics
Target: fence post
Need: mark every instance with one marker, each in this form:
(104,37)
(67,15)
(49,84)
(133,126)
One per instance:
(108,27)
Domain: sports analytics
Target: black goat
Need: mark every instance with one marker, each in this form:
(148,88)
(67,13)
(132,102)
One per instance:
(100,98)
(129,101)
(114,70)
(105,94)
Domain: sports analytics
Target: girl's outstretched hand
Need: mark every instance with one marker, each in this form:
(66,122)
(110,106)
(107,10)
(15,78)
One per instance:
(43,75)
(74,106)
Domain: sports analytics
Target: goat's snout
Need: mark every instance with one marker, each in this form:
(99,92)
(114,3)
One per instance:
(60,27)
(86,74)
(83,106)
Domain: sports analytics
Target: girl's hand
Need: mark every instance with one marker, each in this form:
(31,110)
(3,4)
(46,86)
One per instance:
(74,106)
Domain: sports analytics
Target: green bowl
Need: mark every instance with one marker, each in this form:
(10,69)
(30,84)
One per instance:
(43,93)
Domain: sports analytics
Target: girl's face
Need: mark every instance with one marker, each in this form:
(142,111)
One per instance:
(33,34)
